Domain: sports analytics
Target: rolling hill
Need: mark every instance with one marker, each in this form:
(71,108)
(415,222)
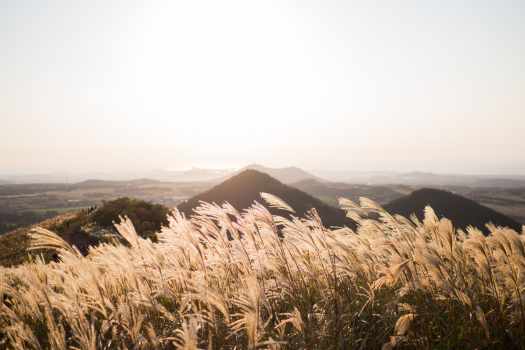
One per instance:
(243,189)
(88,227)
(14,244)
(460,210)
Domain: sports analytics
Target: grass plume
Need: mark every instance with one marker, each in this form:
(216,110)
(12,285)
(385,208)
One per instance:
(228,280)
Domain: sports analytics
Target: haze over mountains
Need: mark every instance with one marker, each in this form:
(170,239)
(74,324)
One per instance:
(287,175)
(190,175)
(422,179)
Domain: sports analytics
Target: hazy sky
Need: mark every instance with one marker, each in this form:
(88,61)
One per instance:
(343,85)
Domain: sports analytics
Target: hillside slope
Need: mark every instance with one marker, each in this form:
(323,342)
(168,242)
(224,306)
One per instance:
(86,228)
(245,188)
(331,191)
(14,244)
(460,210)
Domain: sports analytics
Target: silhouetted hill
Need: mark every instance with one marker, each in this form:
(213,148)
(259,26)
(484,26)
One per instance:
(286,175)
(460,210)
(245,188)
(14,245)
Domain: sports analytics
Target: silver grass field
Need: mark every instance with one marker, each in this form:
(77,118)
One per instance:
(228,280)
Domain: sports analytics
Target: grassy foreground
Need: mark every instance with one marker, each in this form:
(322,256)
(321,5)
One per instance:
(226,280)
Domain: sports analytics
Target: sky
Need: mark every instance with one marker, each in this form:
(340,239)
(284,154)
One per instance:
(112,85)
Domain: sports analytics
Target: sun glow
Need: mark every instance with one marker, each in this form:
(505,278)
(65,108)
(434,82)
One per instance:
(184,83)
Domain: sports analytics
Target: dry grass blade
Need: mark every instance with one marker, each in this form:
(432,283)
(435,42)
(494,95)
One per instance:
(42,239)
(403,324)
(276,202)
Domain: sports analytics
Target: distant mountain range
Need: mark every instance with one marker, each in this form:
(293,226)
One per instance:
(191,175)
(424,179)
(286,175)
(460,210)
(244,188)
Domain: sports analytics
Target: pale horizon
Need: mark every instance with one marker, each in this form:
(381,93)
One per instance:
(118,86)
(156,173)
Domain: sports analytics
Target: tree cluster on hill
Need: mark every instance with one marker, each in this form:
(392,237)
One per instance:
(147,218)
